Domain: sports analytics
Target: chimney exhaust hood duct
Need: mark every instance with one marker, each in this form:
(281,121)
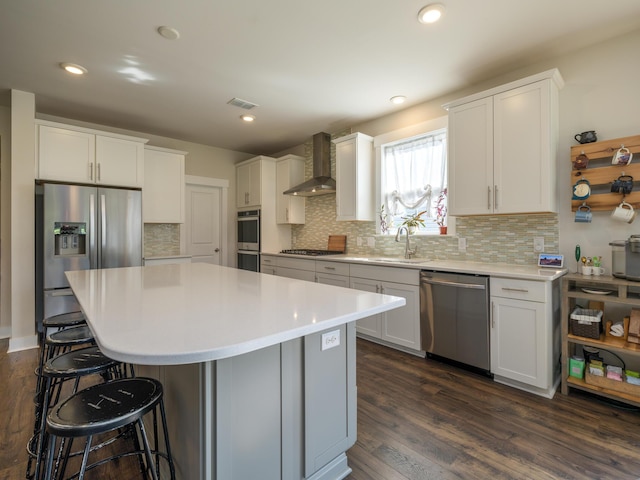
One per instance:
(321,183)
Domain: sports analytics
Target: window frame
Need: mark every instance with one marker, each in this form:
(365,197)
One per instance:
(424,128)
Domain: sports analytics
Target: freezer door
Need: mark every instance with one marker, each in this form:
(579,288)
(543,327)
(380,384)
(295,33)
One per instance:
(119,227)
(68,232)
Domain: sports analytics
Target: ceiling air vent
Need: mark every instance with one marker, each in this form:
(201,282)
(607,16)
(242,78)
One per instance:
(238,102)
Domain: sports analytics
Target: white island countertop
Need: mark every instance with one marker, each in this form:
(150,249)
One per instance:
(194,312)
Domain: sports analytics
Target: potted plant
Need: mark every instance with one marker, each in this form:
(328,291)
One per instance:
(413,222)
(441,211)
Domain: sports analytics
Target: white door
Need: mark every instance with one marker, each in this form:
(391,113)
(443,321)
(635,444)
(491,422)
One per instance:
(205,232)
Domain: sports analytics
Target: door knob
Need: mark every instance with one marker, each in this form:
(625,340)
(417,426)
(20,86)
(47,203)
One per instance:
(217,250)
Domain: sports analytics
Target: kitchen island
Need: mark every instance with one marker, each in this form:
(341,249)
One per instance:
(259,371)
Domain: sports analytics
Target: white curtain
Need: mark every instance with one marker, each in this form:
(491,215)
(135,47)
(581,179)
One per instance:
(414,174)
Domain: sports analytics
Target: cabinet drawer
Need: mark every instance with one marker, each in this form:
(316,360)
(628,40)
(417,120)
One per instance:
(519,289)
(268,260)
(297,263)
(408,276)
(338,268)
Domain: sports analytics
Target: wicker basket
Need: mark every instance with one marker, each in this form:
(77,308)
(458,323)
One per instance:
(586,322)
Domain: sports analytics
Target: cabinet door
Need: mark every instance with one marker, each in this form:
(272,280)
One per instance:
(371,325)
(402,325)
(248,186)
(119,162)
(518,349)
(471,186)
(163,192)
(522,158)
(289,173)
(354,178)
(65,155)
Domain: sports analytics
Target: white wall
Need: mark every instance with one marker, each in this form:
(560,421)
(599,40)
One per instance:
(5,220)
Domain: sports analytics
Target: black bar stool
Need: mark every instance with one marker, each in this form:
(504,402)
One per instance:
(51,325)
(73,365)
(104,408)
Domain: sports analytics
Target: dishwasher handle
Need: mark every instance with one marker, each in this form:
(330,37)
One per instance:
(474,286)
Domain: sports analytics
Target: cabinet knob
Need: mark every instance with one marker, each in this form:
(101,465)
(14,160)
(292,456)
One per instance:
(216,250)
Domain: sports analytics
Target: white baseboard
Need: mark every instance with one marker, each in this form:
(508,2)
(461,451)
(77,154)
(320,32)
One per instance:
(23,343)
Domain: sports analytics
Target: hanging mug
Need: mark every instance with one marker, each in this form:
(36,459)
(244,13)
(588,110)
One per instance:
(623,184)
(622,157)
(581,190)
(624,212)
(581,161)
(586,137)
(583,214)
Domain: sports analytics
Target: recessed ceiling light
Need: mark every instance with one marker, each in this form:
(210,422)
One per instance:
(431,13)
(398,99)
(169,33)
(247,118)
(73,68)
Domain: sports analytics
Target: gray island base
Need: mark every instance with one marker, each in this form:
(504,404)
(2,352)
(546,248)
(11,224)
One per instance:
(282,412)
(258,370)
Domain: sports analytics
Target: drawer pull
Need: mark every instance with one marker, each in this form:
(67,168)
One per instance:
(329,268)
(523,290)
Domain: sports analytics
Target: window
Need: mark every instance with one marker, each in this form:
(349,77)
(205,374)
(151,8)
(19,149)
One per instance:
(413,180)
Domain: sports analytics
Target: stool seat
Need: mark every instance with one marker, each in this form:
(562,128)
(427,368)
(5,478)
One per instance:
(62,320)
(78,363)
(104,407)
(70,336)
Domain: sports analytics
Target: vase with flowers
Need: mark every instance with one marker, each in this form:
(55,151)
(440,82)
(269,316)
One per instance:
(441,211)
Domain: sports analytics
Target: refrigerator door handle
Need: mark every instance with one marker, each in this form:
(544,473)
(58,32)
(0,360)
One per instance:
(103,227)
(92,232)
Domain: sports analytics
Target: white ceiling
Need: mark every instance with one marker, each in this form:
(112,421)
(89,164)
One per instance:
(310,65)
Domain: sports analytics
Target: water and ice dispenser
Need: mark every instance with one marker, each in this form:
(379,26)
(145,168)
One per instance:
(70,238)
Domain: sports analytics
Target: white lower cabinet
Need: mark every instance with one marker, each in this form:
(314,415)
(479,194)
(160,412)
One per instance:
(401,326)
(298,268)
(268,264)
(525,348)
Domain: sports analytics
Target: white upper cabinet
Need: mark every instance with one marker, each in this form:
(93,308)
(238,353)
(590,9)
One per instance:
(81,155)
(163,194)
(502,148)
(249,183)
(355,178)
(289,173)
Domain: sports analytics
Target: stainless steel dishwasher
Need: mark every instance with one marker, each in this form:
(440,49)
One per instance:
(454,317)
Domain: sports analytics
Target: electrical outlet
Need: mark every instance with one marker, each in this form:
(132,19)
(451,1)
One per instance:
(462,244)
(538,244)
(330,339)
(372,241)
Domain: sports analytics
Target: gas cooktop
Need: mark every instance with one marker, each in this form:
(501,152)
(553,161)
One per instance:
(311,252)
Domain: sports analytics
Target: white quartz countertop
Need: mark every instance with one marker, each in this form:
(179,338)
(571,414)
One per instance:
(195,312)
(523,272)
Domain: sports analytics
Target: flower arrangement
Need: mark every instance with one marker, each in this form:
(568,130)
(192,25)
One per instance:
(384,220)
(441,208)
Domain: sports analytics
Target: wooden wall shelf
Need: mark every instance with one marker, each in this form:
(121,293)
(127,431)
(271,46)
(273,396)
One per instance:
(601,173)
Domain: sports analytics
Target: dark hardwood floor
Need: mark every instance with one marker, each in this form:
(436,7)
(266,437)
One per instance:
(420,420)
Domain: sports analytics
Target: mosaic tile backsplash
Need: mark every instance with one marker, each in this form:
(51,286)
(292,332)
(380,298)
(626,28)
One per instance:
(161,239)
(494,239)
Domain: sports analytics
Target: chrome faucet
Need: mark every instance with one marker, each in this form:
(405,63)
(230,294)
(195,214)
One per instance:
(408,251)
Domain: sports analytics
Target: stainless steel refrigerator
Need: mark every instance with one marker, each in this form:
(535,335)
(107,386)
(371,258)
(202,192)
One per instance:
(79,228)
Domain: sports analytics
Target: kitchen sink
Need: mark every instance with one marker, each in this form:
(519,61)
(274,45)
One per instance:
(395,260)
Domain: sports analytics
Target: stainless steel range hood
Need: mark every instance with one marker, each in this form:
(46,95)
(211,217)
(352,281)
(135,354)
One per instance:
(321,183)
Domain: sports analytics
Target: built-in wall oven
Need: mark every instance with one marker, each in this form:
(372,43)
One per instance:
(248,246)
